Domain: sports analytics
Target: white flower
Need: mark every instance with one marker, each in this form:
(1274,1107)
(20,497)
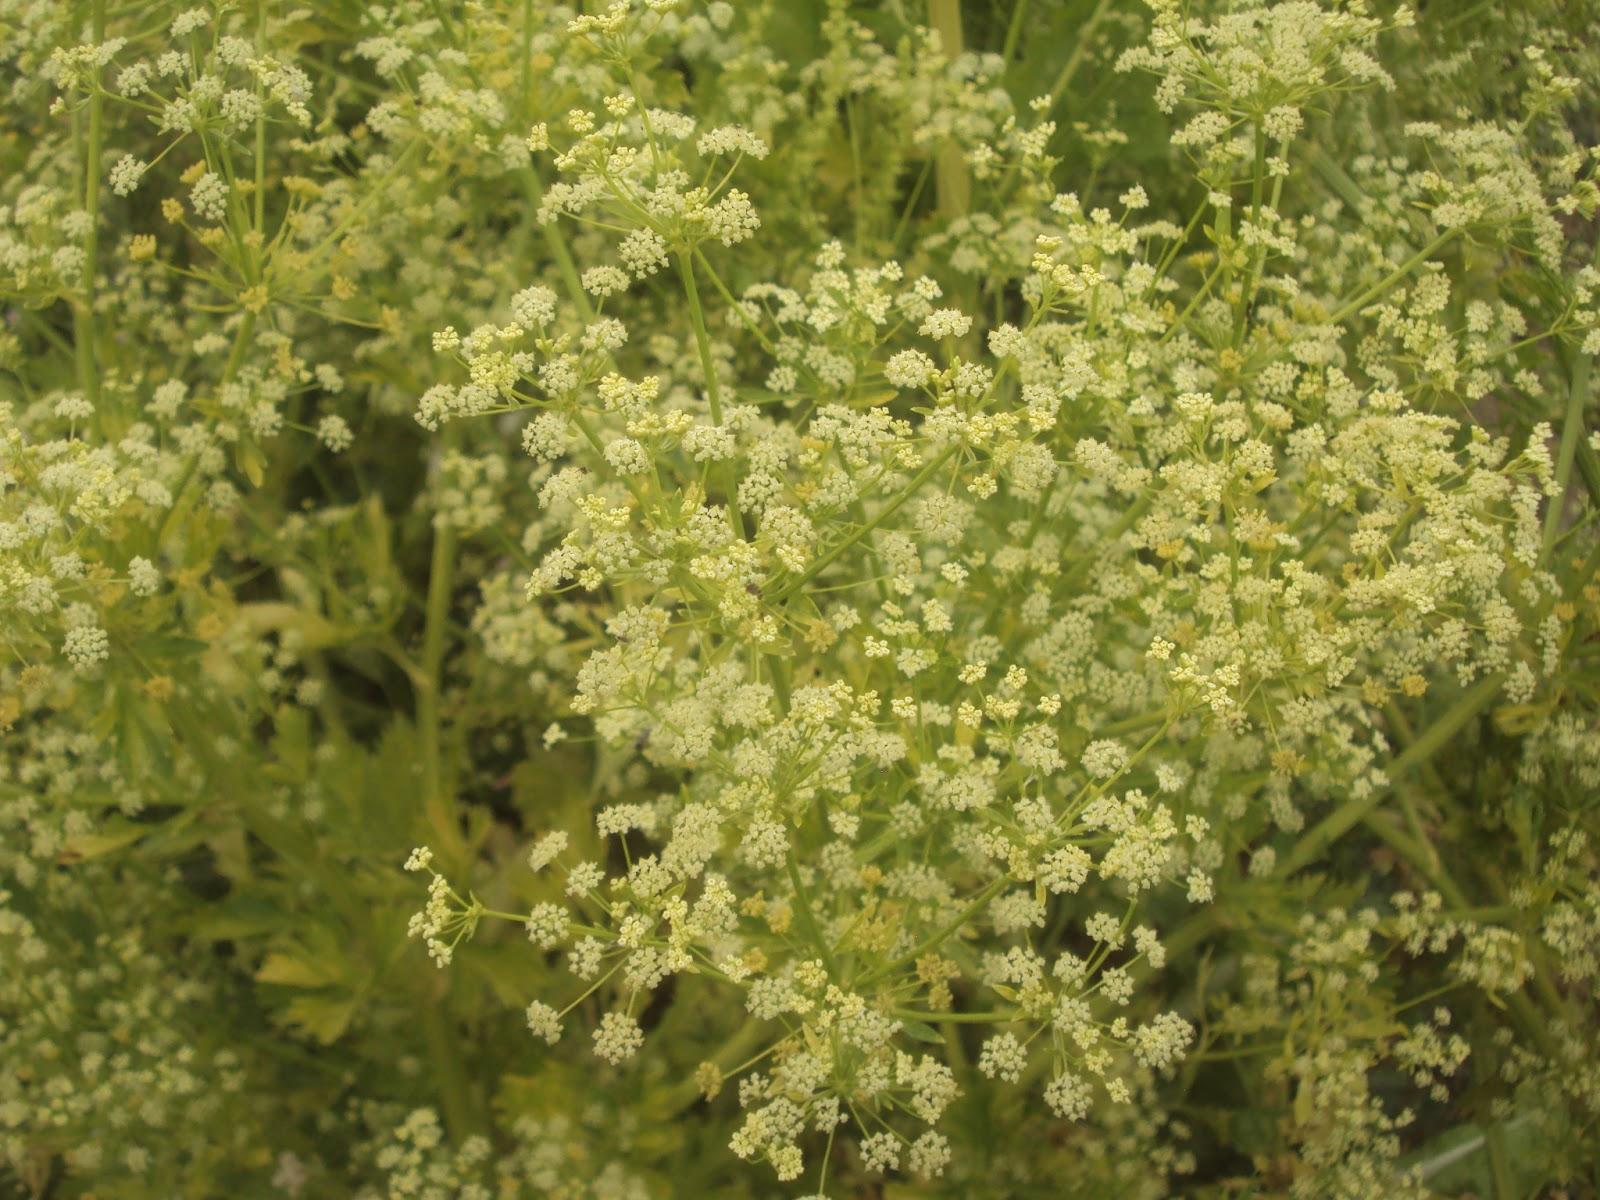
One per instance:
(143,577)
(547,849)
(86,646)
(618,1038)
(945,322)
(419,859)
(909,369)
(334,433)
(544,1022)
(126,174)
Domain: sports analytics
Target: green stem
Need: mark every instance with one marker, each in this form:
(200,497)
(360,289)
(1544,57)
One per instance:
(525,91)
(808,918)
(438,807)
(1194,301)
(990,890)
(1014,30)
(1083,39)
(1113,533)
(1247,288)
(1566,456)
(259,197)
(955,1018)
(952,182)
(1388,281)
(708,366)
(83,318)
(733,304)
(1499,1163)
(702,338)
(1428,743)
(557,245)
(687,1091)
(1419,854)
(449,1077)
(887,511)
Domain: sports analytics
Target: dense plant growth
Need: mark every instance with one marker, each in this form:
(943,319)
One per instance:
(972,600)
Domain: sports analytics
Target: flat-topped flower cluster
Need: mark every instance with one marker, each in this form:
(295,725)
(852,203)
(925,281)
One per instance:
(934,606)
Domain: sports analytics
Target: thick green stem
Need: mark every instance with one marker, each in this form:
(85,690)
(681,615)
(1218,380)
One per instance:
(1419,854)
(952,181)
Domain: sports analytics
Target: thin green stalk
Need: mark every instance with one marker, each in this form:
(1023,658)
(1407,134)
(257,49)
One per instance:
(1085,36)
(1129,518)
(1566,456)
(808,918)
(955,1018)
(1019,12)
(733,304)
(83,318)
(887,511)
(1428,743)
(1247,288)
(1194,301)
(571,281)
(438,805)
(259,197)
(990,890)
(687,1091)
(525,90)
(1388,281)
(911,204)
(708,366)
(701,338)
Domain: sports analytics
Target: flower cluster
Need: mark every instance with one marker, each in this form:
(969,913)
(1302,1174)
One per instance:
(996,603)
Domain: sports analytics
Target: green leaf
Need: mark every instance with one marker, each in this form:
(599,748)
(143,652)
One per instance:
(291,971)
(113,835)
(248,458)
(324,1017)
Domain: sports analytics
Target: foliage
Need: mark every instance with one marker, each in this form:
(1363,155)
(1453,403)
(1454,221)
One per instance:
(949,600)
